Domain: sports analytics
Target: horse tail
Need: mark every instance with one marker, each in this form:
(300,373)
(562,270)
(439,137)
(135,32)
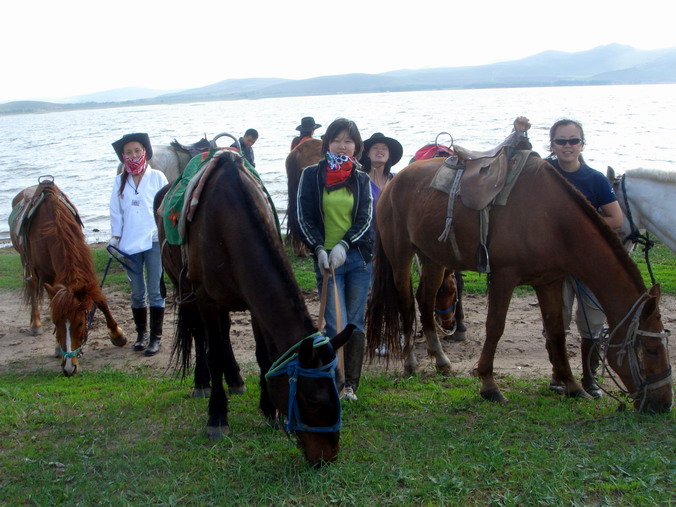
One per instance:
(383,323)
(181,349)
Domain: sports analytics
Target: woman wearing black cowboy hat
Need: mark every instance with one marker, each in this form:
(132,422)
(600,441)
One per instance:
(380,154)
(134,233)
(306,128)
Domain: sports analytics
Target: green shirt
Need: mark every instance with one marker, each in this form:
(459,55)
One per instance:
(337,207)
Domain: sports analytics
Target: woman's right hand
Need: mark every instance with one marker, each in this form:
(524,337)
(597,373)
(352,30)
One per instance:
(114,242)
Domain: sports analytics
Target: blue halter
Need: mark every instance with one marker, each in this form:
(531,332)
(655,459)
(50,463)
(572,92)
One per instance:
(290,364)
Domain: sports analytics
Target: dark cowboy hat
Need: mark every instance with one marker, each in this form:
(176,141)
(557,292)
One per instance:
(307,124)
(396,150)
(139,137)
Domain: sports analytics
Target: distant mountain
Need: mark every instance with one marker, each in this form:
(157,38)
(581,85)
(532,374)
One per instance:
(610,64)
(118,95)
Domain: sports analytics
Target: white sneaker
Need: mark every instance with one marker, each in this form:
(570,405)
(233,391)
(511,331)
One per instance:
(349,394)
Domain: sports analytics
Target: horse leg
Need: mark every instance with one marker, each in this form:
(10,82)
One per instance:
(262,357)
(116,334)
(232,371)
(460,333)
(35,298)
(550,299)
(217,422)
(202,376)
(499,296)
(431,276)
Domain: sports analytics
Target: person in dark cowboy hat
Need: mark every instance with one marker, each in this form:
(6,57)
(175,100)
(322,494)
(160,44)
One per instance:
(380,154)
(134,233)
(306,128)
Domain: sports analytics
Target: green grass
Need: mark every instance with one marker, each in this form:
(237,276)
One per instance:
(136,437)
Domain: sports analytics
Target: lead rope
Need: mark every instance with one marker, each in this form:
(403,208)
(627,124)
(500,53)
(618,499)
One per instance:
(322,310)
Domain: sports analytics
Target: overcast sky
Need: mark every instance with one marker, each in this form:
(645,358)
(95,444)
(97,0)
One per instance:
(61,49)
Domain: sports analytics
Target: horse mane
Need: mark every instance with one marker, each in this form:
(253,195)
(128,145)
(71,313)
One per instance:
(607,232)
(267,236)
(653,175)
(69,251)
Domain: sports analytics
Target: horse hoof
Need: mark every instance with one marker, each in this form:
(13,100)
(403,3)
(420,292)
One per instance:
(556,387)
(216,433)
(593,390)
(35,331)
(582,394)
(444,370)
(494,395)
(202,392)
(459,336)
(118,339)
(237,389)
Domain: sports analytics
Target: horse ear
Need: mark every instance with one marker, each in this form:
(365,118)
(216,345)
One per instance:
(341,338)
(651,304)
(51,291)
(610,174)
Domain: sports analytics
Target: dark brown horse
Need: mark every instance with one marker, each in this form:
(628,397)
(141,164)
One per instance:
(305,154)
(55,256)
(545,231)
(235,261)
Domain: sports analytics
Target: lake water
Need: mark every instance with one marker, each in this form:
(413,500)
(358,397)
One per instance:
(626,127)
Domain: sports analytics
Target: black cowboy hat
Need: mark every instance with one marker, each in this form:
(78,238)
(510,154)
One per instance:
(139,137)
(307,124)
(396,150)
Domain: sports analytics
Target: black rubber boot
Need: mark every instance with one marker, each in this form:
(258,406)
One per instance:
(156,319)
(590,363)
(141,321)
(354,357)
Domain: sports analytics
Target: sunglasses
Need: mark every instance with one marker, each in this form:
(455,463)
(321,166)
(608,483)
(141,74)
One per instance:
(573,141)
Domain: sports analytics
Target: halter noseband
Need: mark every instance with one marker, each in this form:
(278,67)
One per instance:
(289,363)
(628,349)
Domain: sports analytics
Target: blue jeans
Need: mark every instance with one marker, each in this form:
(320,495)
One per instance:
(353,280)
(152,259)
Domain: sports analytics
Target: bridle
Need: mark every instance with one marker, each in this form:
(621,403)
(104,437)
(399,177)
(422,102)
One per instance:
(289,364)
(438,318)
(628,350)
(635,235)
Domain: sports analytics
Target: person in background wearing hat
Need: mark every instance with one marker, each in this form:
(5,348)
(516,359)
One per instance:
(134,234)
(380,154)
(334,216)
(307,129)
(246,145)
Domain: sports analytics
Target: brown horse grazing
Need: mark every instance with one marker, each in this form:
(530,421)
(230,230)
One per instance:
(55,256)
(305,154)
(546,230)
(235,261)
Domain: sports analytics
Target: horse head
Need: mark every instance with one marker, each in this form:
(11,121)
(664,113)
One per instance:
(641,357)
(309,395)
(69,310)
(445,304)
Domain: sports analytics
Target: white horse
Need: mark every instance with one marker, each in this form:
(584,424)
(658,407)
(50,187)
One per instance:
(171,159)
(648,200)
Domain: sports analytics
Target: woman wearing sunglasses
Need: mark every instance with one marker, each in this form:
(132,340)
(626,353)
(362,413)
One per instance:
(566,138)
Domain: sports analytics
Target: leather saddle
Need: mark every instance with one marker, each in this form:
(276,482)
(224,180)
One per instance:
(193,149)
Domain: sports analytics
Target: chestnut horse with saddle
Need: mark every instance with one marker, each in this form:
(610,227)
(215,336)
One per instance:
(509,213)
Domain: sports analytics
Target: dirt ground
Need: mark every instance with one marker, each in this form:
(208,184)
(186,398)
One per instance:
(521,350)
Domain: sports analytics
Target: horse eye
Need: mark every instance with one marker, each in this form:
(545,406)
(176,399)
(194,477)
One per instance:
(651,352)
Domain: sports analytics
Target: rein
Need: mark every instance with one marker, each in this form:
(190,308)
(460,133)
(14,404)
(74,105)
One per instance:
(289,363)
(628,350)
(635,235)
